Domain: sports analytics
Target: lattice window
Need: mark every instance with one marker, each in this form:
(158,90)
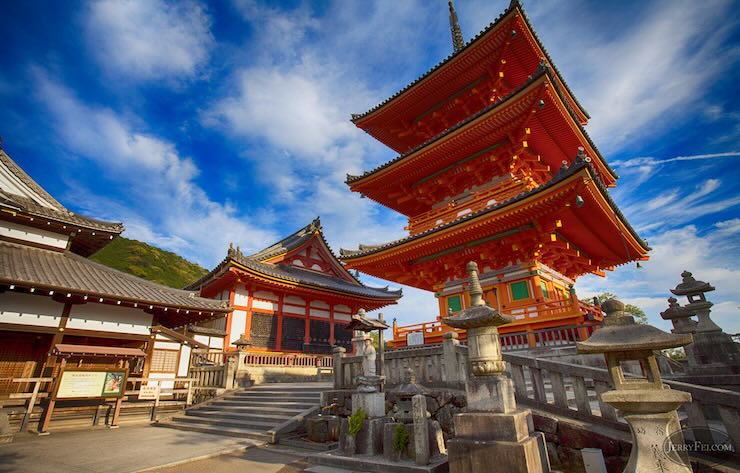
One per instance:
(519,290)
(164,361)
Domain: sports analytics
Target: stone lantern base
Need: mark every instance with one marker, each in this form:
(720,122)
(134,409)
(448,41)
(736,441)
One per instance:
(483,439)
(651,415)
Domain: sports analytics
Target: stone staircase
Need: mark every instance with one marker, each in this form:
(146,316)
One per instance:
(261,412)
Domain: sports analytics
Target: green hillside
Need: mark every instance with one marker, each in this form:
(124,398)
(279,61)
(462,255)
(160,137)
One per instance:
(149,262)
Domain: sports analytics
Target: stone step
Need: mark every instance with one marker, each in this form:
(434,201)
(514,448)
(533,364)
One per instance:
(225,414)
(228,423)
(272,397)
(216,430)
(250,409)
(292,387)
(249,403)
(326,469)
(266,393)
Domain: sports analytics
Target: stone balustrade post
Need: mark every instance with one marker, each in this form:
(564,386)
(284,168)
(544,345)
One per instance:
(338,353)
(452,375)
(232,363)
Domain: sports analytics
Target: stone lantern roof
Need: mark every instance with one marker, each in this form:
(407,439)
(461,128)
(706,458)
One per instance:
(689,286)
(361,322)
(478,314)
(620,333)
(674,310)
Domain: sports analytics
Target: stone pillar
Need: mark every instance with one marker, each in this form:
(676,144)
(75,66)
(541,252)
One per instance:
(421,429)
(452,373)
(492,430)
(338,354)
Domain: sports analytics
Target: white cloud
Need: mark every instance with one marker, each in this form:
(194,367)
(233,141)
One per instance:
(637,69)
(150,39)
(650,161)
(711,257)
(161,203)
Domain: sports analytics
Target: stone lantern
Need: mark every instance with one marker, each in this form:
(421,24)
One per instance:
(698,304)
(242,344)
(648,406)
(492,429)
(713,354)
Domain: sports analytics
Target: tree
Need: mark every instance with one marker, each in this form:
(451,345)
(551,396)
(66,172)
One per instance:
(633,310)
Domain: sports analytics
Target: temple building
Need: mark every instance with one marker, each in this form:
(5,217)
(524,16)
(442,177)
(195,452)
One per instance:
(494,166)
(54,300)
(293,296)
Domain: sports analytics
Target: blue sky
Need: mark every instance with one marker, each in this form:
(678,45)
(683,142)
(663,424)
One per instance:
(197,124)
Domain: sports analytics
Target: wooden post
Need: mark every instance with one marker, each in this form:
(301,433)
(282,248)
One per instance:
(153,416)
(49,410)
(279,328)
(116,413)
(31,401)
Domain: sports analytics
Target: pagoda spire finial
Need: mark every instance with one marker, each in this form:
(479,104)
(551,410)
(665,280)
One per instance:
(457,37)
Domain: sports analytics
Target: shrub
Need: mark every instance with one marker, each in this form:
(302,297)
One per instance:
(400,438)
(356,421)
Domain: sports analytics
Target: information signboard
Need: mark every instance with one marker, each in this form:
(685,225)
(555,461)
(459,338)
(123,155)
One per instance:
(415,338)
(77,384)
(148,392)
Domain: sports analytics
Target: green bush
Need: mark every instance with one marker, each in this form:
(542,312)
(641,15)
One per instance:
(356,421)
(400,438)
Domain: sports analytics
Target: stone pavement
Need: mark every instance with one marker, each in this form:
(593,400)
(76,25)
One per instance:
(123,450)
(262,459)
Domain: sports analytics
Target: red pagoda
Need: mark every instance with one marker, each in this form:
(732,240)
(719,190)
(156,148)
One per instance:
(494,166)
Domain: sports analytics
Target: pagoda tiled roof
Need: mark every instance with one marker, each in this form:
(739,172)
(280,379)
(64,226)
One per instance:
(290,242)
(55,211)
(577,165)
(293,274)
(67,272)
(515,4)
(543,69)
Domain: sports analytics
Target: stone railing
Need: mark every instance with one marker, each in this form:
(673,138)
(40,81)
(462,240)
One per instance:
(566,389)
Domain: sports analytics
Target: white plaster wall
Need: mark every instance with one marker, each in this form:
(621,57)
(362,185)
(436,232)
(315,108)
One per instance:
(109,318)
(342,308)
(267,305)
(319,304)
(294,310)
(28,309)
(182,370)
(341,316)
(33,235)
(164,384)
(238,325)
(294,300)
(324,314)
(216,342)
(10,183)
(201,338)
(241,296)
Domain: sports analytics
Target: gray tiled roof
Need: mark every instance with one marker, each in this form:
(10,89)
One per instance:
(58,213)
(295,274)
(67,272)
